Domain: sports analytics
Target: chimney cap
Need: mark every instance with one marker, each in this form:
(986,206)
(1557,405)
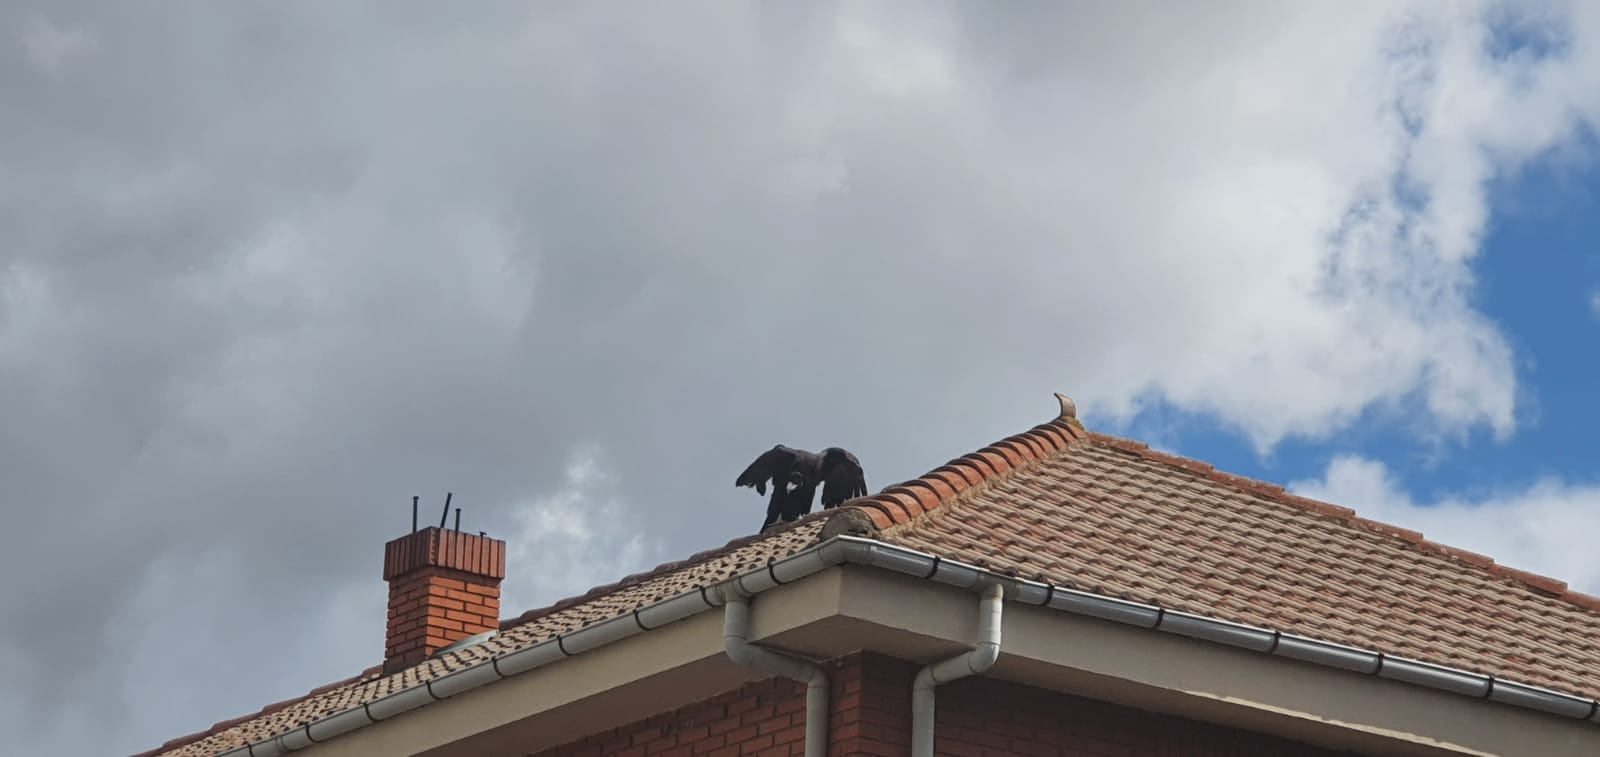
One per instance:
(434,547)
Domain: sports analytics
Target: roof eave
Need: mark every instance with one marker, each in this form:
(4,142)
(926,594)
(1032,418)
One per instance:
(842,550)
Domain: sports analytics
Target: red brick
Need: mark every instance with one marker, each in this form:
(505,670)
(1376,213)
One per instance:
(755,745)
(774,723)
(463,616)
(644,735)
(707,744)
(447,603)
(878,748)
(760,714)
(790,734)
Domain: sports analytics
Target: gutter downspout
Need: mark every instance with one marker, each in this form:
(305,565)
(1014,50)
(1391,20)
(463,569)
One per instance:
(981,658)
(736,640)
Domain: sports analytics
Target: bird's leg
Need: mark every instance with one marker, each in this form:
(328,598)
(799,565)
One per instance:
(774,509)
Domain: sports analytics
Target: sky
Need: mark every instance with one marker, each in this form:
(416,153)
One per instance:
(269,269)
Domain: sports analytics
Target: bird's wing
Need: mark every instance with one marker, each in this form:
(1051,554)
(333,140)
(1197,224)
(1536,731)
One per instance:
(845,481)
(774,462)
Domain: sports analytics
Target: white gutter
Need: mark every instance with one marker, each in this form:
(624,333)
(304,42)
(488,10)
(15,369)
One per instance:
(736,640)
(980,658)
(840,550)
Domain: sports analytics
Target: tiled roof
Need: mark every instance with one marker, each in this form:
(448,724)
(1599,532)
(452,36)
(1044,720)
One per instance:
(1110,516)
(601,603)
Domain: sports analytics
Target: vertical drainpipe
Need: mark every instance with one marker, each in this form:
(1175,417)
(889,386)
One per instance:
(736,640)
(981,658)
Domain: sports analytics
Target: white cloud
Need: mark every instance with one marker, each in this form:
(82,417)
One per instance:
(1594,303)
(572,540)
(1310,286)
(1545,528)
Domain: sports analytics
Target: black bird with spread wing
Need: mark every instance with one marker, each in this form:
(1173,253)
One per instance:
(794,475)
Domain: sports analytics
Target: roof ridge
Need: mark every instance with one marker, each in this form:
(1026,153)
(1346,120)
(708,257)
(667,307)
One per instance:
(905,502)
(1545,585)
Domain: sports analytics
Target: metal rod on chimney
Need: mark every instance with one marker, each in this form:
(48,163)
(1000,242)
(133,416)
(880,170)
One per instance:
(458,519)
(446,514)
(414,513)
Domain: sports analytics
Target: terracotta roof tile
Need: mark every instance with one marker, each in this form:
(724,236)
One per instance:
(1115,517)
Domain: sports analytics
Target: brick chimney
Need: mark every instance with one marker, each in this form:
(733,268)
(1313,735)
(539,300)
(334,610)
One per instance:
(443,587)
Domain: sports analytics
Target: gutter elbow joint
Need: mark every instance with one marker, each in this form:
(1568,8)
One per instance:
(738,649)
(924,680)
(985,656)
(980,658)
(736,643)
(739,654)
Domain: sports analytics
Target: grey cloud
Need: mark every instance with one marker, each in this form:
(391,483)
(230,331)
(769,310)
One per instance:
(267,270)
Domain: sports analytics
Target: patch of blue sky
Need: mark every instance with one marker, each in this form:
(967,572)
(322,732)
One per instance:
(1524,31)
(1537,275)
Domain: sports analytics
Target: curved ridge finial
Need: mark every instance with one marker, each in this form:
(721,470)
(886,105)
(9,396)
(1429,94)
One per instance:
(1069,409)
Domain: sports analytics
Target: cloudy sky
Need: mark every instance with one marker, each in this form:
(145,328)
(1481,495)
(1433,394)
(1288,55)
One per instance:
(268,269)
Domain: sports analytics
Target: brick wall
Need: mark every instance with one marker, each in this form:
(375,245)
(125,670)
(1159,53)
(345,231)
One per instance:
(871,715)
(766,719)
(981,717)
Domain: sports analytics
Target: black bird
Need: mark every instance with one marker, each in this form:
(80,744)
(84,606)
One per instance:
(795,473)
